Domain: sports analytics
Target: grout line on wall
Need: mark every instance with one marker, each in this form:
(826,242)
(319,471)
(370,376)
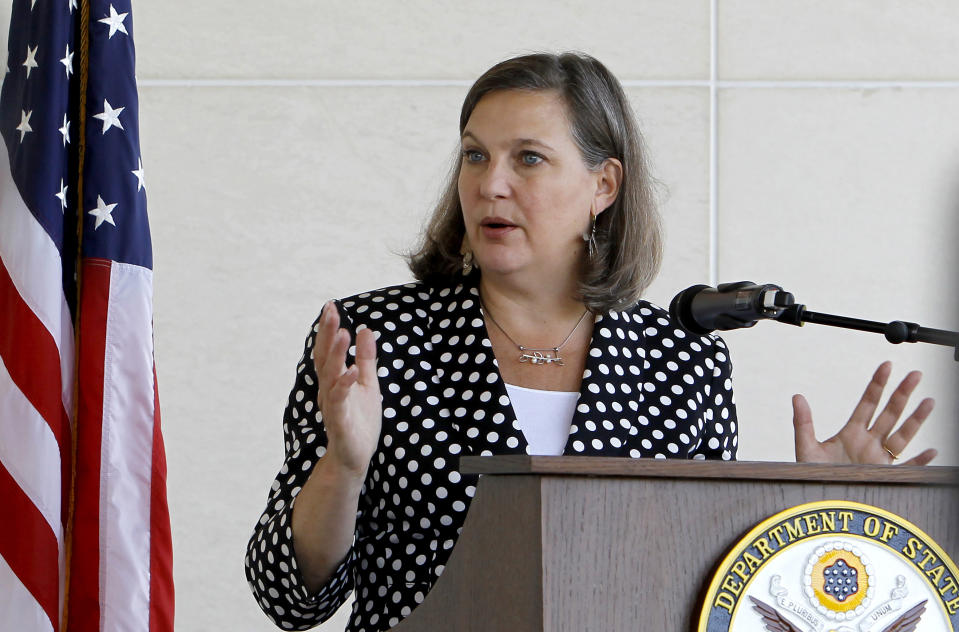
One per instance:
(629,83)
(713,144)
(838,83)
(297,83)
(378,83)
(665,83)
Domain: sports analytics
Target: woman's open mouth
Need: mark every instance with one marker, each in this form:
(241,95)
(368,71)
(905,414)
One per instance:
(494,227)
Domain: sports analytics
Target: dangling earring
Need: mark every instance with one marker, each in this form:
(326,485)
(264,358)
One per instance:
(467,257)
(590,237)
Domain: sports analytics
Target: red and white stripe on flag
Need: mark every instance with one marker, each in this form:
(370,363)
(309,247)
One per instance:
(121,541)
(84,527)
(36,386)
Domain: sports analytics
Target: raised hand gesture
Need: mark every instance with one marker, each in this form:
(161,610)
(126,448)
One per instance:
(349,398)
(324,514)
(865,439)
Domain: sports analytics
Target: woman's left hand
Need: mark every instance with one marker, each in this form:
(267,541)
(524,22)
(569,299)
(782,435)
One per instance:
(864,439)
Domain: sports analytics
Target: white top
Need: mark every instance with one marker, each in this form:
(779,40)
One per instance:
(544,417)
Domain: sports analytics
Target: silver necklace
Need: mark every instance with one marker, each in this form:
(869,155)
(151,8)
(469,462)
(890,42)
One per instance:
(548,355)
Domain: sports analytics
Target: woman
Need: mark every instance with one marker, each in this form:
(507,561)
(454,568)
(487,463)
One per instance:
(524,334)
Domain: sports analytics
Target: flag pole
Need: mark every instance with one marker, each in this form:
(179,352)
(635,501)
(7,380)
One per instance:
(83,32)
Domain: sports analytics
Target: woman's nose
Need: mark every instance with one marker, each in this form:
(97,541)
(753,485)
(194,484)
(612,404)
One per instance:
(495,182)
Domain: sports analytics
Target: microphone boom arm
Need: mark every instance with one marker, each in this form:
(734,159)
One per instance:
(896,331)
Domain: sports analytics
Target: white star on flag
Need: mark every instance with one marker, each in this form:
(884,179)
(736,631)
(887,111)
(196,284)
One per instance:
(65,130)
(24,125)
(31,62)
(68,62)
(115,22)
(62,196)
(103,213)
(109,116)
(73,5)
(141,183)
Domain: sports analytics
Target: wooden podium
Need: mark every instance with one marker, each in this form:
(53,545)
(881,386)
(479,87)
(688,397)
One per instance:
(585,543)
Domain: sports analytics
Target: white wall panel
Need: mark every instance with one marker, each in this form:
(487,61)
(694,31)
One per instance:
(849,199)
(414,39)
(851,39)
(675,124)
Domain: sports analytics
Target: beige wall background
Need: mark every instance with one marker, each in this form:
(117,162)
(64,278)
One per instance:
(292,149)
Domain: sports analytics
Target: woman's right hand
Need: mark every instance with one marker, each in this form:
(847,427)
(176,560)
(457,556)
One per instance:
(349,398)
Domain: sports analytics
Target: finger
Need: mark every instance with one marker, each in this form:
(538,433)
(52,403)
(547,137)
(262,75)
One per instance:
(898,440)
(366,356)
(886,420)
(869,401)
(325,331)
(923,458)
(333,364)
(341,386)
(803,430)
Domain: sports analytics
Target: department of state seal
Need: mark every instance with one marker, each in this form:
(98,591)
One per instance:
(833,566)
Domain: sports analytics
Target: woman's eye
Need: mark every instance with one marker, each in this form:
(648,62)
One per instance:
(472,155)
(529,158)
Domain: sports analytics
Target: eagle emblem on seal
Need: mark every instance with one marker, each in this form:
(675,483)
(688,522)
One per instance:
(775,621)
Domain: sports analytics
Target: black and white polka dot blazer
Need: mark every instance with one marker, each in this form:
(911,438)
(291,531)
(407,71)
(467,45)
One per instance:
(648,390)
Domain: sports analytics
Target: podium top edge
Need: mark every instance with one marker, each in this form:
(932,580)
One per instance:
(742,470)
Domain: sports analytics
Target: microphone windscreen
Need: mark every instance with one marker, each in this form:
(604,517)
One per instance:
(680,308)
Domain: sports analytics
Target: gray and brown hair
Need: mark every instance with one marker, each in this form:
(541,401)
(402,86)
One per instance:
(628,233)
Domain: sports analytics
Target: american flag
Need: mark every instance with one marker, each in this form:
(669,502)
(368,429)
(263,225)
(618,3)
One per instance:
(84,528)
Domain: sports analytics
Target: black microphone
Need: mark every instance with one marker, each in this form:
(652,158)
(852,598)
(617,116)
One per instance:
(701,309)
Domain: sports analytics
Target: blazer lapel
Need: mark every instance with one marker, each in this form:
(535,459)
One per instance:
(472,395)
(611,395)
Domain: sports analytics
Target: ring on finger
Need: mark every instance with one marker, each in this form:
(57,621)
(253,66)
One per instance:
(895,457)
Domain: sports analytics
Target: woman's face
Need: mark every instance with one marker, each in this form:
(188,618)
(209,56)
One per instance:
(525,191)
